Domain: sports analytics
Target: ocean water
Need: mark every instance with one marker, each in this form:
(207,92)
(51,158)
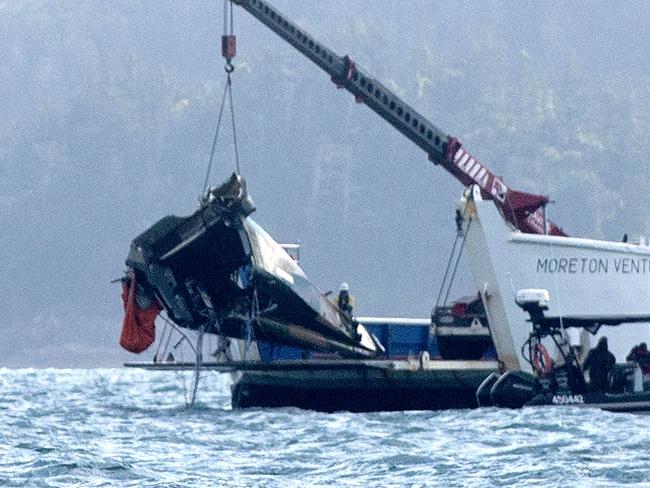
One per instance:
(119,427)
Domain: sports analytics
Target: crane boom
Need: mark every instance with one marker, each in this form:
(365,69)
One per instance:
(525,211)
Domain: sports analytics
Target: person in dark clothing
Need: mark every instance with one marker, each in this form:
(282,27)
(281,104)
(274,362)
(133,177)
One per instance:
(600,364)
(640,355)
(345,300)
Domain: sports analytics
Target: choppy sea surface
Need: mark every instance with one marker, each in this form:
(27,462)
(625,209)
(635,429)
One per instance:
(119,427)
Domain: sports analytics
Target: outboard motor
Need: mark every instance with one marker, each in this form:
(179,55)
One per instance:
(513,389)
(483,396)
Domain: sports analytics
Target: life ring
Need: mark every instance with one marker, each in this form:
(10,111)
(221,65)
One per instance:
(541,359)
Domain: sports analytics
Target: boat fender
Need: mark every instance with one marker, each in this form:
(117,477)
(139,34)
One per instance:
(542,362)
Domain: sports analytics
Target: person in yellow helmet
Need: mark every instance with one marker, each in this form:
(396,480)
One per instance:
(345,299)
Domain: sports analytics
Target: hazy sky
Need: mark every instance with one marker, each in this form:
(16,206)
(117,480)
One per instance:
(108,110)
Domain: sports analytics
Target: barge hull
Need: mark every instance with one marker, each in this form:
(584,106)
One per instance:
(362,388)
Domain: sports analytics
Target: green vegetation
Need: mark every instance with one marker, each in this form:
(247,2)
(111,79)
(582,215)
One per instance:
(108,111)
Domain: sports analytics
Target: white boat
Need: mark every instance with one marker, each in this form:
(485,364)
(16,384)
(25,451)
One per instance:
(606,281)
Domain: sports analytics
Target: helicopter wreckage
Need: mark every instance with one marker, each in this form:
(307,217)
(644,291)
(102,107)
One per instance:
(217,271)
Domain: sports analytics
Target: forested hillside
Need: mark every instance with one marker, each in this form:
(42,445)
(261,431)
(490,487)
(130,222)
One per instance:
(108,110)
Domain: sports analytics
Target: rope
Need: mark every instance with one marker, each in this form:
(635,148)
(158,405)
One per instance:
(214,141)
(228,29)
(444,277)
(225,17)
(460,254)
(232,118)
(459,234)
(175,327)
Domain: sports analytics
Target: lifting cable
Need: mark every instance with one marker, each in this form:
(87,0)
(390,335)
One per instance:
(460,254)
(454,258)
(228,51)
